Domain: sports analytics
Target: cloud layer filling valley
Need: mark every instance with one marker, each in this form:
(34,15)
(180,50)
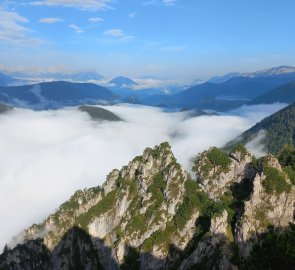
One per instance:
(46,155)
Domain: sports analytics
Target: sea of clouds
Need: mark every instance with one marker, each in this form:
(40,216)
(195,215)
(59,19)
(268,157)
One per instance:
(46,155)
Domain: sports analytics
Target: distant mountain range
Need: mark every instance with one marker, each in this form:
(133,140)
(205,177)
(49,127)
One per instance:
(73,76)
(275,71)
(224,78)
(6,80)
(56,94)
(219,93)
(137,91)
(224,96)
(227,94)
(284,93)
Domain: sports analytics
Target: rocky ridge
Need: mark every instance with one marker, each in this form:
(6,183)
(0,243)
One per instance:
(152,215)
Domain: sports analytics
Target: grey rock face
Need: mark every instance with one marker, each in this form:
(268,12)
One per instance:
(152,215)
(216,181)
(216,243)
(75,251)
(264,209)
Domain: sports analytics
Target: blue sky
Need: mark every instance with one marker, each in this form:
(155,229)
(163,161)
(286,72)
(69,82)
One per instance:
(182,39)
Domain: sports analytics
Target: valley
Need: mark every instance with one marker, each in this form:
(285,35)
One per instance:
(147,135)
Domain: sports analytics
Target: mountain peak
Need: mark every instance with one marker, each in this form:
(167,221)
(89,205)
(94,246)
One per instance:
(224,78)
(122,81)
(57,75)
(56,94)
(6,80)
(275,71)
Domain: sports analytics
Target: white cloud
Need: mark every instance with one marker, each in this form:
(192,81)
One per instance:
(114,33)
(84,5)
(12,30)
(163,85)
(154,83)
(116,37)
(132,15)
(76,28)
(7,3)
(45,156)
(159,2)
(95,20)
(256,145)
(169,2)
(50,20)
(257,112)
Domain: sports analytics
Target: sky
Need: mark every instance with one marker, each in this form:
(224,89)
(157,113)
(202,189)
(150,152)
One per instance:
(58,152)
(185,39)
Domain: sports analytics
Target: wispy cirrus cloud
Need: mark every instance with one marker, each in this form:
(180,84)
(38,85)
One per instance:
(95,20)
(115,36)
(83,5)
(7,3)
(50,20)
(117,33)
(76,28)
(159,2)
(12,30)
(169,2)
(114,33)
(132,15)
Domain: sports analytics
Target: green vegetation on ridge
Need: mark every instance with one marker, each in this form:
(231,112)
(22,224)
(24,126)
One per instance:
(286,157)
(98,113)
(278,128)
(146,201)
(106,204)
(275,251)
(217,160)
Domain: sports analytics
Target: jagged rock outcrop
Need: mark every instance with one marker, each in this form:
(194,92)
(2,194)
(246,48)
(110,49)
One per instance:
(216,171)
(265,208)
(152,215)
(33,255)
(270,199)
(132,205)
(74,251)
(214,251)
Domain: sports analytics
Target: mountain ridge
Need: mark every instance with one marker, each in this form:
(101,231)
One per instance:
(57,94)
(152,215)
(275,131)
(231,93)
(284,94)
(122,81)
(6,80)
(74,76)
(273,71)
(279,70)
